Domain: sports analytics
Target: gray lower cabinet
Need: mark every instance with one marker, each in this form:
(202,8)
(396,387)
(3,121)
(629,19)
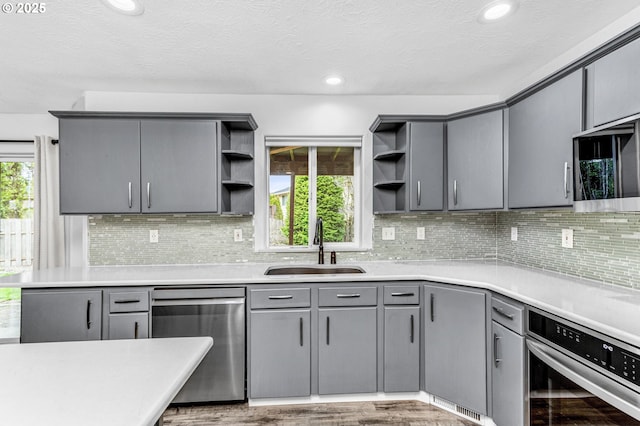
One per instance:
(347,350)
(401,348)
(475,162)
(541,128)
(455,345)
(58,316)
(134,325)
(613,87)
(280,361)
(507,376)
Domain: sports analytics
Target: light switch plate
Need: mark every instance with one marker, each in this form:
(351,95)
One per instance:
(567,238)
(389,233)
(514,233)
(153,235)
(237,235)
(420,233)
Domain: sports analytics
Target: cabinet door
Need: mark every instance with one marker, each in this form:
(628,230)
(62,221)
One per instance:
(426,164)
(99,166)
(541,145)
(455,346)
(280,362)
(178,171)
(475,172)
(128,326)
(401,349)
(507,374)
(347,350)
(60,316)
(614,85)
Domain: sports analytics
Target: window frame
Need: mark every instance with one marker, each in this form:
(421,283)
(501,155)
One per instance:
(312,143)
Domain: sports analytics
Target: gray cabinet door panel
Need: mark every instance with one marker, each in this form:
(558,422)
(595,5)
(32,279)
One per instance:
(401,349)
(508,377)
(178,169)
(475,171)
(61,316)
(426,170)
(128,326)
(99,166)
(455,346)
(615,85)
(540,143)
(280,362)
(347,350)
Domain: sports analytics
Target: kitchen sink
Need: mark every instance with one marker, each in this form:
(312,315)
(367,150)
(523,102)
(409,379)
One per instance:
(313,269)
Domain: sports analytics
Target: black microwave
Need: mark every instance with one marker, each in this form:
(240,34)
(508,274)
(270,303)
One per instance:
(607,167)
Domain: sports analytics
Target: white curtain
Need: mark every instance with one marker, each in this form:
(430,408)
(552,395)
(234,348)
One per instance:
(48,247)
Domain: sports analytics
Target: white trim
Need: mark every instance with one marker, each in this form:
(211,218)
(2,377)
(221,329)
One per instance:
(311,141)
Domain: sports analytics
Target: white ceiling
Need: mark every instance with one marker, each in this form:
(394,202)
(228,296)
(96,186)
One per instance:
(401,47)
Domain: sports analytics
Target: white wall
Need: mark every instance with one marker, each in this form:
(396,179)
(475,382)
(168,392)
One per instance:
(293,115)
(26,126)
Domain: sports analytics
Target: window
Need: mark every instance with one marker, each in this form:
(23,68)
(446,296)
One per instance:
(311,179)
(16,228)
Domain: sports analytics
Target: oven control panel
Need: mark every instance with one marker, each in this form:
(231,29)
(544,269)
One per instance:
(603,353)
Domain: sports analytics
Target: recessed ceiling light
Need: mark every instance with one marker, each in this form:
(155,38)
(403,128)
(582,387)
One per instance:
(333,80)
(127,7)
(497,10)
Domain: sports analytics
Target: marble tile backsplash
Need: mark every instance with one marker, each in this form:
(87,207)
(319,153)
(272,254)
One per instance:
(606,246)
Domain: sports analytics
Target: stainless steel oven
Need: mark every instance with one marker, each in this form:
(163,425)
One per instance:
(578,376)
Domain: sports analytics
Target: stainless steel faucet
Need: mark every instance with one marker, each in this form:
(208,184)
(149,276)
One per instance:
(318,239)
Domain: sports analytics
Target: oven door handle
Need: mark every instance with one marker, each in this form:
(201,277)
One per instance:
(598,384)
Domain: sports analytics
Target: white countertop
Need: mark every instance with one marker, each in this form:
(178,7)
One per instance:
(612,310)
(108,382)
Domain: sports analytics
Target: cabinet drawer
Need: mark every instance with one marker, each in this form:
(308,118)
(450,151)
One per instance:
(130,301)
(401,295)
(508,313)
(348,296)
(280,298)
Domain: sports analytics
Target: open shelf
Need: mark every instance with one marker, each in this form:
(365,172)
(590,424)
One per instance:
(237,184)
(237,155)
(393,155)
(237,173)
(390,184)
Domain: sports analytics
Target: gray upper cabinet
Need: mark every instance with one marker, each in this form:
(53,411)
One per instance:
(613,87)
(475,162)
(540,144)
(408,164)
(455,346)
(426,166)
(178,170)
(59,316)
(99,166)
(114,162)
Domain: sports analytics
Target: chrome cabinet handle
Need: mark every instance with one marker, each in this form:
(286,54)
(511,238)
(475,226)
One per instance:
(566,179)
(455,192)
(419,193)
(501,312)
(402,294)
(301,332)
(127,301)
(327,331)
(135,330)
(496,360)
(130,196)
(88,314)
(148,195)
(412,328)
(432,298)
(348,296)
(288,296)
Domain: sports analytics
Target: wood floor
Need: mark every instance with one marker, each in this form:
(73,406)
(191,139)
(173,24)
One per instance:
(353,413)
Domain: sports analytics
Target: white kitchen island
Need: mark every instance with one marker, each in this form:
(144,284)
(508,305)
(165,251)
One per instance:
(107,382)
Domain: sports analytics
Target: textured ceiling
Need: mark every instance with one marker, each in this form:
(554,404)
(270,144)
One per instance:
(380,47)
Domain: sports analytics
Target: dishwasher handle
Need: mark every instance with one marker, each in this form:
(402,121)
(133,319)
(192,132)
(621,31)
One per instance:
(197,301)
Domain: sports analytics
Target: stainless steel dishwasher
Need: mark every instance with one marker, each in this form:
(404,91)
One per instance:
(206,311)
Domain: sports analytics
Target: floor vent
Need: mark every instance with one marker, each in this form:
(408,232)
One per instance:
(456,409)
